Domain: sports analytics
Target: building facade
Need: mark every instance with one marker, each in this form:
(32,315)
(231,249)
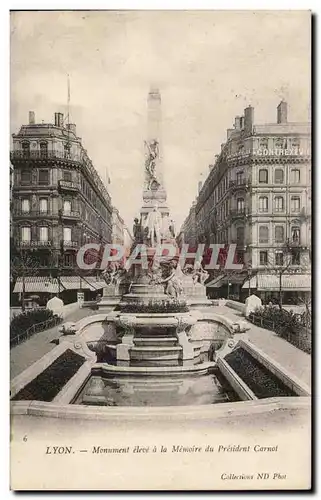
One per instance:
(59,201)
(258,196)
(118,226)
(187,234)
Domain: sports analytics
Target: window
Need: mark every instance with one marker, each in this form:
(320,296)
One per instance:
(295,257)
(263,176)
(295,234)
(239,177)
(263,204)
(240,204)
(43,177)
(25,205)
(279,203)
(278,176)
(43,203)
(26,233)
(67,207)
(68,260)
(43,233)
(25,177)
(67,233)
(240,235)
(279,258)
(67,150)
(263,258)
(295,204)
(43,260)
(67,175)
(279,234)
(240,257)
(263,234)
(26,149)
(295,176)
(43,150)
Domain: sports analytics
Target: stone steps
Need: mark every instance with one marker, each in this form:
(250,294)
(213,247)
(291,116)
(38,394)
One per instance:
(155,341)
(155,353)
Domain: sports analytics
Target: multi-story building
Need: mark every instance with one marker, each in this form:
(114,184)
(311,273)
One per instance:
(128,240)
(258,196)
(59,201)
(187,232)
(118,226)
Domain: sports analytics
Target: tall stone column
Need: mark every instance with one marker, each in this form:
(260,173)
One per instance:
(154,191)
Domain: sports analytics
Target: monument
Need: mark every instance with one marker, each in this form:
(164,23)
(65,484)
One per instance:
(154,191)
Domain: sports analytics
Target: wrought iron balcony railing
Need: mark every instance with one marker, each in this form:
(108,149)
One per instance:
(239,184)
(69,185)
(44,155)
(70,244)
(238,212)
(34,243)
(69,214)
(34,213)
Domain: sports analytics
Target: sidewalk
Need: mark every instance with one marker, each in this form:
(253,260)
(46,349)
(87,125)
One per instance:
(290,357)
(23,355)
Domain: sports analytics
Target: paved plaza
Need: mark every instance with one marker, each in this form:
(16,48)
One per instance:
(25,354)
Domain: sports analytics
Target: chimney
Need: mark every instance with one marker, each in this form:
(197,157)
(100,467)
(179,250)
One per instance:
(237,123)
(59,119)
(242,122)
(248,119)
(282,112)
(32,119)
(200,184)
(72,127)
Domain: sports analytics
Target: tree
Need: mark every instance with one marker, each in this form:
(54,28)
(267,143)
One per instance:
(22,265)
(287,255)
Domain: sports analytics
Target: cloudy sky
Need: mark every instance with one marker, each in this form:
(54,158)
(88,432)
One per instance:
(208,66)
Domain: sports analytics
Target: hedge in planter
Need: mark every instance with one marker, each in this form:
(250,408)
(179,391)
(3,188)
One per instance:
(20,323)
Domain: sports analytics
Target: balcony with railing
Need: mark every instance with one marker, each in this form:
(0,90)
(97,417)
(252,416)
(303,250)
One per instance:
(69,214)
(44,155)
(68,185)
(70,244)
(238,213)
(18,212)
(239,184)
(34,243)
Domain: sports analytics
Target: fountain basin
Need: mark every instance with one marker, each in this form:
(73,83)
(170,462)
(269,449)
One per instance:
(138,390)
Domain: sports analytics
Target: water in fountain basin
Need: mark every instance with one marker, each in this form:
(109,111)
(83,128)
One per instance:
(155,391)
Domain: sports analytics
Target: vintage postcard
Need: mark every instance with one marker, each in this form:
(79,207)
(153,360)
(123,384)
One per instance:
(160,250)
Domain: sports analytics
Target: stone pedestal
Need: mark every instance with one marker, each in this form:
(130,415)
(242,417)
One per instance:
(252,303)
(195,293)
(110,298)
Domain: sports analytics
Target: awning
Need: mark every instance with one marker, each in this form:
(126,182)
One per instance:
(271,282)
(76,283)
(223,279)
(216,282)
(97,283)
(252,283)
(40,284)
